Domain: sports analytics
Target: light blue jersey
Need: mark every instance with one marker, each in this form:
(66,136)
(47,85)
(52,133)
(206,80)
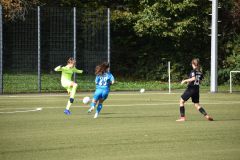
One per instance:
(104,81)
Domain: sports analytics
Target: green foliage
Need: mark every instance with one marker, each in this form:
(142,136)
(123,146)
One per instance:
(152,68)
(232,62)
(229,42)
(165,18)
(159,31)
(145,34)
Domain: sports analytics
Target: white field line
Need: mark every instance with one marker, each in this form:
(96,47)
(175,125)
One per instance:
(24,111)
(145,100)
(110,105)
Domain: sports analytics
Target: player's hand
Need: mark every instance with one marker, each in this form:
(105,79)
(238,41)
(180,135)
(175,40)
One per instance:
(112,82)
(183,81)
(57,68)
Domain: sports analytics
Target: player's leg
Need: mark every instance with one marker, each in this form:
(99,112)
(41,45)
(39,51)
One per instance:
(184,97)
(104,96)
(73,90)
(182,111)
(195,100)
(69,89)
(202,111)
(99,108)
(72,86)
(67,85)
(95,99)
(92,105)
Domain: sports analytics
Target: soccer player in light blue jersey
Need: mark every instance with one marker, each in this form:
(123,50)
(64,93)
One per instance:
(104,79)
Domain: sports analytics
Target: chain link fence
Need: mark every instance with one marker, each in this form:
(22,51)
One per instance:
(47,38)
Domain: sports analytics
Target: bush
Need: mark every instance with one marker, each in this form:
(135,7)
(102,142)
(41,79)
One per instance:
(232,62)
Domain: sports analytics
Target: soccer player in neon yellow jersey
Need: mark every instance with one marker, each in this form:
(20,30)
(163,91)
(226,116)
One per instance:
(66,81)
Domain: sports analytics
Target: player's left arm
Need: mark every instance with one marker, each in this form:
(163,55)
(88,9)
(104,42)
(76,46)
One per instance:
(97,79)
(201,78)
(112,80)
(77,70)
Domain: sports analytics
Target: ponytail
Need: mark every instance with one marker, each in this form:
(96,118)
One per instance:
(102,68)
(196,62)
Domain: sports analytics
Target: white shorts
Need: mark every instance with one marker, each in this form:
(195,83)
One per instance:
(66,83)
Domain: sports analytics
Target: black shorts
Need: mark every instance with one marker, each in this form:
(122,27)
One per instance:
(191,92)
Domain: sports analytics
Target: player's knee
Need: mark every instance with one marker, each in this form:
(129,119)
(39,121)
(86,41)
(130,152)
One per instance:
(71,100)
(101,101)
(75,84)
(181,102)
(197,106)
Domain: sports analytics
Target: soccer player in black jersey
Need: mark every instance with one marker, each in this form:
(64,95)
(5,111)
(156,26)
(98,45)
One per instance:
(192,91)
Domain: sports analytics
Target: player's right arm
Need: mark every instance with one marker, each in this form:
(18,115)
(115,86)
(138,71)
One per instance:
(58,68)
(191,79)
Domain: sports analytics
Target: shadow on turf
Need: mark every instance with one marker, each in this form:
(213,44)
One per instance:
(113,113)
(222,120)
(156,116)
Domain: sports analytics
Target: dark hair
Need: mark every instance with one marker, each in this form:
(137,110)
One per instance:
(196,62)
(71,60)
(102,68)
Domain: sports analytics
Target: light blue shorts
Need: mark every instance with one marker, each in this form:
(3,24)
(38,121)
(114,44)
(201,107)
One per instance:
(101,94)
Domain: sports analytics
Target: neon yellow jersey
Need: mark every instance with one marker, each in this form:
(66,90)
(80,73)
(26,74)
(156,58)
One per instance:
(67,72)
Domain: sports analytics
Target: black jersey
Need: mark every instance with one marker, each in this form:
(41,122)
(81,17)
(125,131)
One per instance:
(198,75)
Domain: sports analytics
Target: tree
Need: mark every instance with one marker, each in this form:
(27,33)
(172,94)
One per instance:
(14,9)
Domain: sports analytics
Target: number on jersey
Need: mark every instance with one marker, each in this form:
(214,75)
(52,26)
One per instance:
(103,81)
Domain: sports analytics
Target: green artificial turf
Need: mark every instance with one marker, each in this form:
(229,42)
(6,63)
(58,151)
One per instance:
(132,126)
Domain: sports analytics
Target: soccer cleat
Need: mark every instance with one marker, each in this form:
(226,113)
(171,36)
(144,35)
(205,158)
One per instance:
(182,119)
(91,109)
(209,118)
(96,115)
(67,112)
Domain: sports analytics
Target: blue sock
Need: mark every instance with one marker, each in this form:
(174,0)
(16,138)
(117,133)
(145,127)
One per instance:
(93,104)
(99,108)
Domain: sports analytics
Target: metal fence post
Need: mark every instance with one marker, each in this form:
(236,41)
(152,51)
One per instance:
(39,49)
(1,52)
(74,37)
(108,35)
(230,82)
(169,77)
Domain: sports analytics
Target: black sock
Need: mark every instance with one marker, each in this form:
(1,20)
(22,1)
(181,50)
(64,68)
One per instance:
(201,110)
(182,111)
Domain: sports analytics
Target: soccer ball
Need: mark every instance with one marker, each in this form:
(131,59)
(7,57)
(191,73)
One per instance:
(142,90)
(86,100)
